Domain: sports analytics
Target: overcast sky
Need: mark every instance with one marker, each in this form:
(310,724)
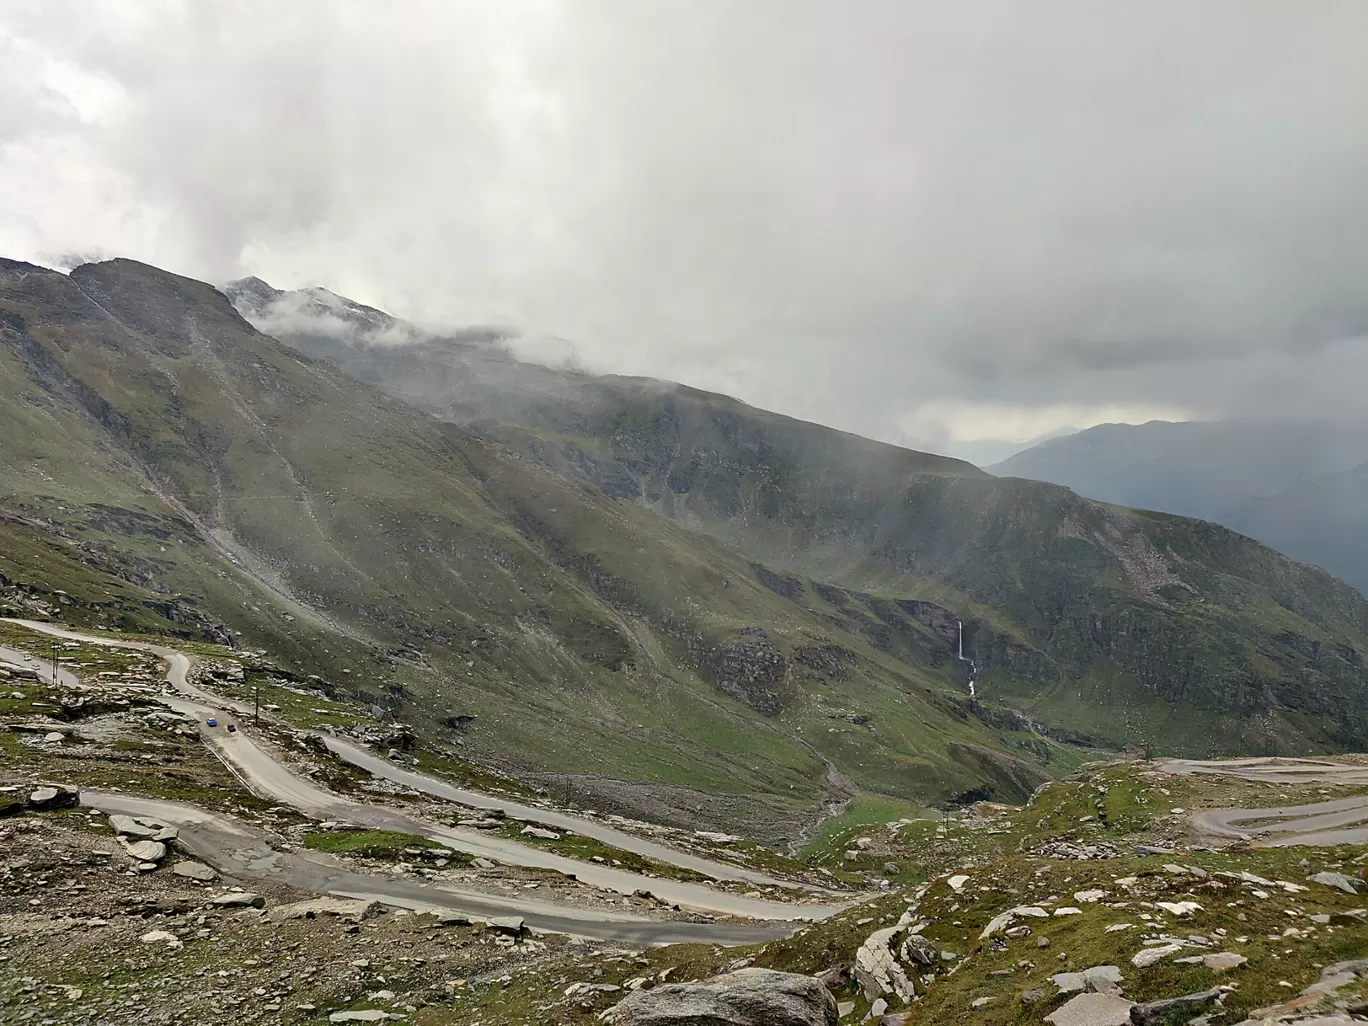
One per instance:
(935,223)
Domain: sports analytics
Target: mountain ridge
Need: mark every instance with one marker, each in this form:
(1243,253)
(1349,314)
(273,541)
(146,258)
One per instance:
(612,648)
(663,599)
(849,526)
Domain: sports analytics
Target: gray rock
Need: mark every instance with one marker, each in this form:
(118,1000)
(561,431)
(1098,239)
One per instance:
(145,851)
(194,871)
(1353,967)
(481,863)
(239,899)
(1348,884)
(1101,979)
(53,796)
(835,977)
(131,826)
(362,1015)
(591,988)
(1220,961)
(355,909)
(1092,1010)
(1032,997)
(877,968)
(507,924)
(920,950)
(1148,957)
(545,835)
(1153,1013)
(748,997)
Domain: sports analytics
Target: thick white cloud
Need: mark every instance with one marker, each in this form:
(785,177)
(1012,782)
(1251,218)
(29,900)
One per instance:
(877,214)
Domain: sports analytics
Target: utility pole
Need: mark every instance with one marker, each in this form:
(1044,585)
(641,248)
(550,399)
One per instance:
(54,664)
(256,707)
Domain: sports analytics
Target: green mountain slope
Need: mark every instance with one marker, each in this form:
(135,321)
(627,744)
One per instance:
(1122,625)
(184,470)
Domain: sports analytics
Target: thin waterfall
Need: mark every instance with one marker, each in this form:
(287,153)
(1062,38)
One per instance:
(973,670)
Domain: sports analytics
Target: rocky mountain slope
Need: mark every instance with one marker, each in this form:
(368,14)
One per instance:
(1118,624)
(171,468)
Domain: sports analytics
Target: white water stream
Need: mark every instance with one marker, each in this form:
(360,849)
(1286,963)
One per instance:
(973,670)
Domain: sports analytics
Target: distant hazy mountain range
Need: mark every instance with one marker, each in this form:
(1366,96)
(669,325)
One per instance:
(1300,488)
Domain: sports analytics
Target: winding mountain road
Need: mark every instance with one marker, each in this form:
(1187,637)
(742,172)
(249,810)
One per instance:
(220,839)
(1340,821)
(44,668)
(243,853)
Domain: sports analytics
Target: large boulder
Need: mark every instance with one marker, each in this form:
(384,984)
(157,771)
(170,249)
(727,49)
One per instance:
(747,997)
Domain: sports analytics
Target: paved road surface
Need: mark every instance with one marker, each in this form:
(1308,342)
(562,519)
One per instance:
(1273,770)
(44,667)
(244,854)
(367,760)
(1341,821)
(1344,821)
(266,775)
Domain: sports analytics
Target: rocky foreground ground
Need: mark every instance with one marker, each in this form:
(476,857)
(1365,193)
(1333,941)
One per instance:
(1025,920)
(1111,897)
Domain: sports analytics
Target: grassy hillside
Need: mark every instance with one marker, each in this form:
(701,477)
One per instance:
(199,477)
(1112,624)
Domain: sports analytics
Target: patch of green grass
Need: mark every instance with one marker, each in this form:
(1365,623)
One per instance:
(577,846)
(388,845)
(835,835)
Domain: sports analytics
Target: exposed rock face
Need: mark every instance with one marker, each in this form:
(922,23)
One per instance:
(747,997)
(753,672)
(877,967)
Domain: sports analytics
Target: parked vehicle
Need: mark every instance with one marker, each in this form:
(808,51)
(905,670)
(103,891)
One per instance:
(232,728)
(212,722)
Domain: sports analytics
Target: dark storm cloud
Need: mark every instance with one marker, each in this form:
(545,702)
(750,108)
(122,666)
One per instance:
(929,222)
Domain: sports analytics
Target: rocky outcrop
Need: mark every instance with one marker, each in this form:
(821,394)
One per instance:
(747,997)
(877,968)
(754,672)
